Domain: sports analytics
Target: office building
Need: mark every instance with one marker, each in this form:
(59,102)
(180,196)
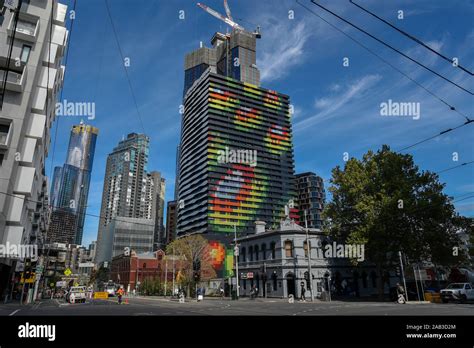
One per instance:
(130,192)
(70,187)
(31,79)
(310,196)
(236,154)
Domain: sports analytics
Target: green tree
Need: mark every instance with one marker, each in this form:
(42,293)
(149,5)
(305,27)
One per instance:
(194,251)
(384,202)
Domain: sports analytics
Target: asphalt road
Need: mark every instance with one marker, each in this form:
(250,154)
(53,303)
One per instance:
(277,307)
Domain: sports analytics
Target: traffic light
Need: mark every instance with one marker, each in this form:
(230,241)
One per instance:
(197,270)
(397,271)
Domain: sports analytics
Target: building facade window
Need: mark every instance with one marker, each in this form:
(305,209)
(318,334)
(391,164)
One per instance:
(273,248)
(264,251)
(288,248)
(244,254)
(25,53)
(251,253)
(256,252)
(305,247)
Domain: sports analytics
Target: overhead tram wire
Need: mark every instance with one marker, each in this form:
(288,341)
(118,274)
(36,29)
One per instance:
(435,136)
(451,107)
(411,37)
(68,210)
(393,48)
(125,68)
(458,166)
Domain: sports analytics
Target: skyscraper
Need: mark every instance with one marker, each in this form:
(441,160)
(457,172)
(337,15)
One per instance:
(70,187)
(131,196)
(310,196)
(236,154)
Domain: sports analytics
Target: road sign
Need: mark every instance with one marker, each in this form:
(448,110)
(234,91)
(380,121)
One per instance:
(101,295)
(67,272)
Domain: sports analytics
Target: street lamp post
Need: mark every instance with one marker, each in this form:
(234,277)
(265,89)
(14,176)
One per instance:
(236,254)
(308,248)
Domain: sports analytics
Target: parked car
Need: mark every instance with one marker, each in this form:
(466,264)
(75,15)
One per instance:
(457,292)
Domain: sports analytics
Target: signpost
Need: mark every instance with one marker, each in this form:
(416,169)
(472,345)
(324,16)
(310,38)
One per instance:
(67,272)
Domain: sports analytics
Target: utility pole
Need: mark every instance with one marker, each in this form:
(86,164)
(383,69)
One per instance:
(172,292)
(403,275)
(308,248)
(166,273)
(236,254)
(421,282)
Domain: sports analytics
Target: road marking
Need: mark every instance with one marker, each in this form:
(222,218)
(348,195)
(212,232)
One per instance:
(14,312)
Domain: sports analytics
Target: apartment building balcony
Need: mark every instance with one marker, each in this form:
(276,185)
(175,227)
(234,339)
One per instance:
(15,81)
(27,27)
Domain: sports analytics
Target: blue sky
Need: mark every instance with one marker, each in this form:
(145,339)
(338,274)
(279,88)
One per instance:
(337,108)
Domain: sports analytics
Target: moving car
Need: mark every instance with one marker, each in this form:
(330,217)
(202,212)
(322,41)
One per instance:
(457,292)
(110,289)
(76,294)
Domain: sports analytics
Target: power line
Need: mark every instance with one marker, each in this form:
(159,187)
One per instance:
(125,68)
(393,48)
(67,210)
(411,37)
(451,168)
(436,135)
(463,199)
(451,107)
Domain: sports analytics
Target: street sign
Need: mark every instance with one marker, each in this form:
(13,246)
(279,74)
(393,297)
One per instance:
(67,272)
(246,275)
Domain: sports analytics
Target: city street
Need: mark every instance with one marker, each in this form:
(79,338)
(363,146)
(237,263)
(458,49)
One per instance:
(164,307)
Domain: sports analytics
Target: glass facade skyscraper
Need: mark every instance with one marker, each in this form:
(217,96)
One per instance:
(130,196)
(70,187)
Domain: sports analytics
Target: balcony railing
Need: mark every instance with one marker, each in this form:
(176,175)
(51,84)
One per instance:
(15,81)
(25,29)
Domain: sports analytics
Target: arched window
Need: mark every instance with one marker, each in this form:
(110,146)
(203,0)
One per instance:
(264,251)
(256,252)
(273,248)
(251,253)
(288,248)
(244,256)
(274,279)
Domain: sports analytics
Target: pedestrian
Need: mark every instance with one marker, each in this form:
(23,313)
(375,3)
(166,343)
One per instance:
(119,295)
(303,291)
(221,289)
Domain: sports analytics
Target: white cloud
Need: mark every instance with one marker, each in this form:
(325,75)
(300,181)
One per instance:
(333,103)
(283,49)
